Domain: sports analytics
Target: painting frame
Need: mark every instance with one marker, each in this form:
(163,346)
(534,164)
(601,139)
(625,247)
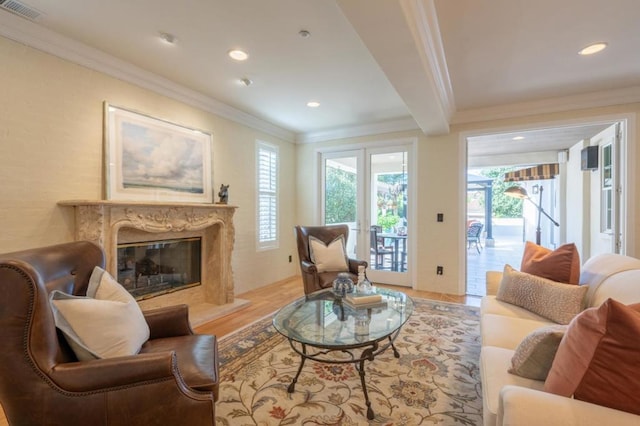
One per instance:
(151,159)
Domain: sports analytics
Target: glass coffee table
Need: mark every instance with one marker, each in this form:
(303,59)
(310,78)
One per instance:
(323,327)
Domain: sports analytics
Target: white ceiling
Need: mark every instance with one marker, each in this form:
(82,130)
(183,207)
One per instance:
(374,65)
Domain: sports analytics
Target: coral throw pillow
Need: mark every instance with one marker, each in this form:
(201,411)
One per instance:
(598,359)
(561,265)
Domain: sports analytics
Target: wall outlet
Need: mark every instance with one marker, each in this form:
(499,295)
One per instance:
(439,270)
(440,217)
(290,259)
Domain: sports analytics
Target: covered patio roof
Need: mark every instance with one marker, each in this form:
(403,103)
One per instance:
(539,172)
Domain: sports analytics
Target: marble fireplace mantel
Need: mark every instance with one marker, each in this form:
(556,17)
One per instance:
(108,223)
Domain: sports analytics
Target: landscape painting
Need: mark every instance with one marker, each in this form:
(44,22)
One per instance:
(148,159)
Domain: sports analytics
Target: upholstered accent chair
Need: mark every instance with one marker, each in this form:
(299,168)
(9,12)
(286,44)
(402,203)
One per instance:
(172,380)
(313,279)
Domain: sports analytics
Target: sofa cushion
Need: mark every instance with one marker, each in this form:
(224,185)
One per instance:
(560,265)
(494,363)
(508,332)
(106,323)
(534,355)
(597,360)
(555,301)
(520,406)
(328,257)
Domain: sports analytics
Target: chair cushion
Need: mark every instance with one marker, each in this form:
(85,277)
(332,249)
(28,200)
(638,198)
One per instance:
(197,356)
(106,323)
(328,257)
(561,265)
(325,280)
(597,360)
(555,301)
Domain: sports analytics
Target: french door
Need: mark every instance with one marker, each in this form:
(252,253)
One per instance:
(368,189)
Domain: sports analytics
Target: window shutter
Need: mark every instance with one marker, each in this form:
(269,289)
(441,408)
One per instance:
(267,196)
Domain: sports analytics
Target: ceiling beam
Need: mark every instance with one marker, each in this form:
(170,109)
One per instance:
(412,56)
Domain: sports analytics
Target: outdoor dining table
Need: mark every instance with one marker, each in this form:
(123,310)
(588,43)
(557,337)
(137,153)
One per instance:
(397,265)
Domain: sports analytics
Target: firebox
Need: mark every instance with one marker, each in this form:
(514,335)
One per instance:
(151,268)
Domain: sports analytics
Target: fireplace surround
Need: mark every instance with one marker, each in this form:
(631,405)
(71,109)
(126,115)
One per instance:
(110,223)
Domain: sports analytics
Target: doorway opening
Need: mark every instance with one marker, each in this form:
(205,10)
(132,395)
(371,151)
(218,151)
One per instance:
(581,201)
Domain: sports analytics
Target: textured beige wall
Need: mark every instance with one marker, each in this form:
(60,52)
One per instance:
(51,149)
(440,183)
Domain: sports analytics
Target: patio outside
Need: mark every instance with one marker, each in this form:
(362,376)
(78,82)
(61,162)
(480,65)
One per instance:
(507,249)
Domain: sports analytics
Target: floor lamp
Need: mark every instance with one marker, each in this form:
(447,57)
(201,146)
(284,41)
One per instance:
(521,193)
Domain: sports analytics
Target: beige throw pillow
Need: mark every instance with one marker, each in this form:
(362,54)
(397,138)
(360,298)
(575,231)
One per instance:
(328,257)
(106,323)
(555,301)
(534,355)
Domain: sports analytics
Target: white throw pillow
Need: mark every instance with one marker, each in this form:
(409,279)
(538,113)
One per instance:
(106,323)
(331,257)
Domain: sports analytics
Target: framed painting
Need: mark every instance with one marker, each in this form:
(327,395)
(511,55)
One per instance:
(148,159)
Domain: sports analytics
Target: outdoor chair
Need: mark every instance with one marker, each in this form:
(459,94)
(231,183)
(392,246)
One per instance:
(312,278)
(474,232)
(379,250)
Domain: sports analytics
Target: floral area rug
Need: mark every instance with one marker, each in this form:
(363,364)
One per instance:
(436,380)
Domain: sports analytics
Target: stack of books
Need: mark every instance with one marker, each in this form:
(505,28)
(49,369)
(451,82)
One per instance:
(364,300)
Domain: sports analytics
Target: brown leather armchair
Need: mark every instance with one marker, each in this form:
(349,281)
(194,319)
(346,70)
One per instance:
(173,380)
(312,279)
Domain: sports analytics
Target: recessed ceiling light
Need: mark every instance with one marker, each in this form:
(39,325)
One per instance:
(313,104)
(246,81)
(238,55)
(593,48)
(518,138)
(304,33)
(168,38)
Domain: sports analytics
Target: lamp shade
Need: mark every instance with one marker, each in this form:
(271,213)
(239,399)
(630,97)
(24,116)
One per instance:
(516,192)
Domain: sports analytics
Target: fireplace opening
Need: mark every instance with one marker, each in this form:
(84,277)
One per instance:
(151,268)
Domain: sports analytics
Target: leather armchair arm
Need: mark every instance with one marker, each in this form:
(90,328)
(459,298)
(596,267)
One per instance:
(170,321)
(102,374)
(308,267)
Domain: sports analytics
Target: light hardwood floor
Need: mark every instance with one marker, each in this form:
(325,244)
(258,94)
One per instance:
(266,300)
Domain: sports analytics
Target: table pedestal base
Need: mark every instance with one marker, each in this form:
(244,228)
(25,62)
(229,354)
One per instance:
(369,351)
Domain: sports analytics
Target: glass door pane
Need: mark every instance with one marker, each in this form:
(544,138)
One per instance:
(388,197)
(342,194)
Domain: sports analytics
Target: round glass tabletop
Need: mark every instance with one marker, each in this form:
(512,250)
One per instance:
(326,320)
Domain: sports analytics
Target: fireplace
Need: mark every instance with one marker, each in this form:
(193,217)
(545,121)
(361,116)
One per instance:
(152,268)
(120,225)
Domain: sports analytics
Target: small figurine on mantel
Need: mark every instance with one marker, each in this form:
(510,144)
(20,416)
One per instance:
(223,194)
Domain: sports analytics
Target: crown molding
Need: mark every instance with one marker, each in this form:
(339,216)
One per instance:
(400,125)
(627,95)
(28,33)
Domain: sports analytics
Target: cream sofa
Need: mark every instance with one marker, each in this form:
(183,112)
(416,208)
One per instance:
(513,400)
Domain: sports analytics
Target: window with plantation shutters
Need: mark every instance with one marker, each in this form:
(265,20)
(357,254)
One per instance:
(267,162)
